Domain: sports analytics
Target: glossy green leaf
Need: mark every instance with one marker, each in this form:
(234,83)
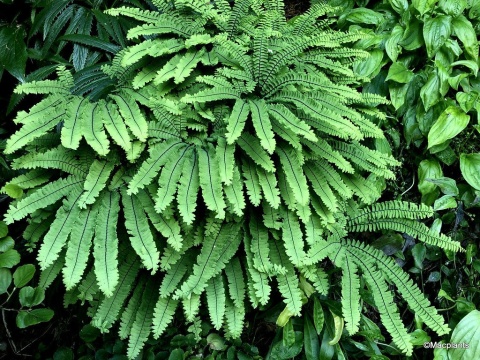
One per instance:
(419,252)
(400,6)
(435,32)
(6,243)
(364,16)
(447,185)
(3,230)
(419,337)
(89,333)
(466,100)
(13,190)
(370,66)
(23,274)
(310,340)
(452,7)
(467,331)
(424,6)
(428,169)
(318,315)
(470,168)
(450,123)
(399,72)
(430,92)
(391,45)
(9,258)
(445,202)
(13,56)
(29,296)
(464,30)
(176,354)
(472,65)
(288,333)
(413,35)
(29,318)
(5,280)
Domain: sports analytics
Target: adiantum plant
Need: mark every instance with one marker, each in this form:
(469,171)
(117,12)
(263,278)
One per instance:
(234,153)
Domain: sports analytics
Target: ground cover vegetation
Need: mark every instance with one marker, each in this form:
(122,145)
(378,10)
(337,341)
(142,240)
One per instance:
(222,180)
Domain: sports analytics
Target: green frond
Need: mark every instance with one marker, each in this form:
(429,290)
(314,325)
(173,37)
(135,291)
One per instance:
(71,131)
(134,13)
(93,130)
(259,280)
(292,237)
(138,228)
(95,181)
(252,183)
(321,187)
(216,250)
(39,111)
(42,197)
(226,161)
(143,321)
(163,315)
(236,283)
(289,120)
(169,178)
(105,242)
(254,150)
(109,309)
(405,286)
(132,116)
(33,130)
(234,319)
(43,87)
(29,180)
(188,189)
(57,235)
(174,276)
(234,193)
(191,307)
(78,247)
(210,181)
(165,24)
(215,293)
(186,64)
(262,125)
(159,156)
(350,296)
(292,162)
(128,315)
(58,158)
(213,94)
(268,183)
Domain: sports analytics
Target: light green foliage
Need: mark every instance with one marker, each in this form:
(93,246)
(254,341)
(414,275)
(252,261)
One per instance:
(243,144)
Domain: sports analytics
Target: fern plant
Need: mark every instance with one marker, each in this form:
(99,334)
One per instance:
(235,152)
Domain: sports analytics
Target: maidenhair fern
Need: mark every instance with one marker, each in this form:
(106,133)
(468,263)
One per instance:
(234,154)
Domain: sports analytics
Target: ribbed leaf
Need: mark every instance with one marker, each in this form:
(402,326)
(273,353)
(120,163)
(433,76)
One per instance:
(71,131)
(163,315)
(252,147)
(96,180)
(132,116)
(293,238)
(236,121)
(292,166)
(92,129)
(262,125)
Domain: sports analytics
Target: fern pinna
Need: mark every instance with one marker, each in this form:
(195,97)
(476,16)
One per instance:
(234,151)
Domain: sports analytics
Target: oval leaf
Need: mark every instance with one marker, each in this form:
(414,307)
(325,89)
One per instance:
(470,168)
(467,331)
(449,124)
(23,274)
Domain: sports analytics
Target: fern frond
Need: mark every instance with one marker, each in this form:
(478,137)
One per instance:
(350,296)
(143,321)
(234,193)
(252,183)
(132,116)
(215,292)
(224,154)
(138,228)
(262,125)
(105,249)
(174,276)
(78,248)
(95,181)
(109,308)
(188,189)
(288,119)
(39,111)
(43,197)
(92,129)
(163,315)
(134,13)
(210,182)
(57,235)
(292,162)
(33,130)
(292,237)
(254,150)
(71,131)
(268,182)
(159,155)
(129,314)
